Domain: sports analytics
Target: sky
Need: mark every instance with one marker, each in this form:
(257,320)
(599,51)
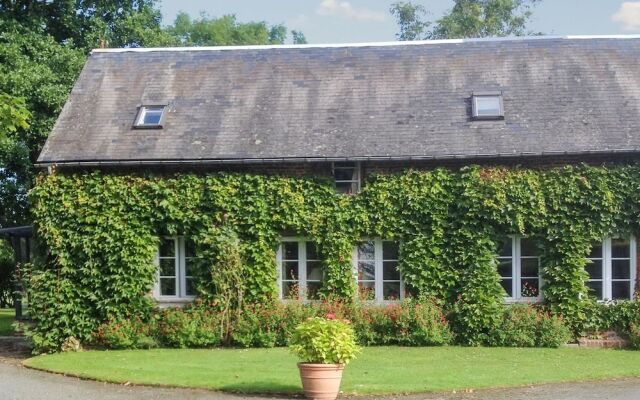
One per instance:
(345,21)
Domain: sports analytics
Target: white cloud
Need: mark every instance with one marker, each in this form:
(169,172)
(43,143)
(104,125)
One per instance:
(628,16)
(346,10)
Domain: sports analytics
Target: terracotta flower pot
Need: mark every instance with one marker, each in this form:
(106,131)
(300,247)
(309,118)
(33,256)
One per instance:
(321,381)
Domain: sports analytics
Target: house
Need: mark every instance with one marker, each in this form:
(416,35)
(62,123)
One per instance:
(347,112)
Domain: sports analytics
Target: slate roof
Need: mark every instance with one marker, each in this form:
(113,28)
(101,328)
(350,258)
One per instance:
(369,101)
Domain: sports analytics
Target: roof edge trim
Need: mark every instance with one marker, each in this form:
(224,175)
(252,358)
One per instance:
(96,163)
(362,44)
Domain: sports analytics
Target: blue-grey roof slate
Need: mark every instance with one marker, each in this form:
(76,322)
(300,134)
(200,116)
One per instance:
(561,95)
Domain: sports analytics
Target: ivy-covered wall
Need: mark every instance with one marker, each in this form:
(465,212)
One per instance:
(102,231)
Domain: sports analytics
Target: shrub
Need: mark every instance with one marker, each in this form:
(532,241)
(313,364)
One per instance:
(525,325)
(518,328)
(618,316)
(634,335)
(552,331)
(411,323)
(325,341)
(190,327)
(124,334)
(269,325)
(422,323)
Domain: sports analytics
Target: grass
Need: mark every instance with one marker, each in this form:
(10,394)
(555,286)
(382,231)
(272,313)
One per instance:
(6,319)
(378,370)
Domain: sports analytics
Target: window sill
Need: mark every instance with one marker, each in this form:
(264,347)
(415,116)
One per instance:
(168,302)
(523,300)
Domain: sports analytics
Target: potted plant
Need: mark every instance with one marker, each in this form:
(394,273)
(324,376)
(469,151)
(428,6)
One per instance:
(325,346)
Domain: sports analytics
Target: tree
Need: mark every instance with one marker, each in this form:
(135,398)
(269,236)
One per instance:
(467,19)
(41,71)
(88,23)
(484,18)
(13,115)
(298,37)
(410,19)
(13,158)
(6,274)
(223,31)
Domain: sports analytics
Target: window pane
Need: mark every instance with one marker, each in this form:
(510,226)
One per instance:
(167,286)
(312,251)
(366,251)
(595,289)
(505,268)
(366,270)
(347,187)
(508,288)
(366,290)
(390,250)
(290,290)
(290,270)
(313,289)
(189,248)
(620,248)
(594,269)
(528,248)
(391,291)
(314,270)
(167,248)
(504,247)
(529,267)
(530,288)
(488,105)
(151,116)
(620,269)
(191,287)
(620,290)
(596,250)
(167,267)
(290,250)
(347,174)
(189,264)
(390,271)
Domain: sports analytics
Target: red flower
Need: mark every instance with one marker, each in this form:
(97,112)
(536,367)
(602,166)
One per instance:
(330,316)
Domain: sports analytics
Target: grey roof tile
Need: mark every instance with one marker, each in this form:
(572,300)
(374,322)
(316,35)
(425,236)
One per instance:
(560,95)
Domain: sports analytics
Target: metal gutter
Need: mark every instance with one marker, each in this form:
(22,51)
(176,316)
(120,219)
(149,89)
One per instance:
(279,160)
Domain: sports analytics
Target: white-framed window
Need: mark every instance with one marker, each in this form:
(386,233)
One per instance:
(611,266)
(347,176)
(149,117)
(300,269)
(519,269)
(375,266)
(175,269)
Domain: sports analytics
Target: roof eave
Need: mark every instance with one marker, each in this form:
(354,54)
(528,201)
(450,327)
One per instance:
(278,160)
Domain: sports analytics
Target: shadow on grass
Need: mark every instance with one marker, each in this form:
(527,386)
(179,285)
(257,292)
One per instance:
(264,389)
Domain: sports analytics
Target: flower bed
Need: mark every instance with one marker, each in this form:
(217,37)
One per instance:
(411,323)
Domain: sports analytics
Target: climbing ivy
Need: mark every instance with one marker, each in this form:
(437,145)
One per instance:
(102,232)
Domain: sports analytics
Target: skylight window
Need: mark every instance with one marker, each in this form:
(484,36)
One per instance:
(487,106)
(149,117)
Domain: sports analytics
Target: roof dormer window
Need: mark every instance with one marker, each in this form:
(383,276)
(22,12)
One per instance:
(149,117)
(487,105)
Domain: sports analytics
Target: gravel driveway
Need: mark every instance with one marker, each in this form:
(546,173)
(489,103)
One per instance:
(19,383)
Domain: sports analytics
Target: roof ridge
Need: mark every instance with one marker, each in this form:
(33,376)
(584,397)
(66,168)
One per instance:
(364,44)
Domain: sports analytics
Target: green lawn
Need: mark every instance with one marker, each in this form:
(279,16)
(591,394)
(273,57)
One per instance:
(377,370)
(6,319)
